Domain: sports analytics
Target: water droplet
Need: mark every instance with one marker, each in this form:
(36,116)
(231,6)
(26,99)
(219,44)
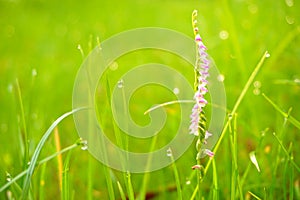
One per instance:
(221,77)
(8,177)
(256,91)
(188,182)
(84,145)
(223,35)
(33,72)
(10,88)
(84,148)
(257,84)
(290,20)
(296,80)
(267,55)
(169,152)
(114,66)
(176,90)
(28,163)
(120,83)
(289,3)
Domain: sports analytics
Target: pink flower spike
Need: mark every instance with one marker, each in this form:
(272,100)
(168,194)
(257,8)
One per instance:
(198,38)
(207,135)
(209,152)
(196,167)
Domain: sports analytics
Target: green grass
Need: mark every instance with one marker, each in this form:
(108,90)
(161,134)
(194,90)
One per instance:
(39,60)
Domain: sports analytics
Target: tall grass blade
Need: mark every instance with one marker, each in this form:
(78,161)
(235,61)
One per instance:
(291,119)
(215,195)
(38,149)
(142,193)
(59,157)
(123,196)
(176,175)
(23,130)
(287,153)
(65,192)
(42,182)
(254,195)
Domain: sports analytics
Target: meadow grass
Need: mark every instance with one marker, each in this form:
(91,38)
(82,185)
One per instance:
(256,156)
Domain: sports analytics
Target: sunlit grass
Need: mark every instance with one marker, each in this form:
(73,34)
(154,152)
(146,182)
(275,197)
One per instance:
(38,48)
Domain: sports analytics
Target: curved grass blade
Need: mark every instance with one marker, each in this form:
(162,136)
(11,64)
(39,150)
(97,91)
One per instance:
(65,192)
(38,149)
(291,119)
(20,175)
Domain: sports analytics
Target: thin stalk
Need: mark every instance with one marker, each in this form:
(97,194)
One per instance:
(42,182)
(290,118)
(176,175)
(142,193)
(290,158)
(59,157)
(215,181)
(23,124)
(123,196)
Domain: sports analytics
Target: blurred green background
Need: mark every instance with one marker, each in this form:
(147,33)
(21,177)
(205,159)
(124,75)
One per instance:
(38,46)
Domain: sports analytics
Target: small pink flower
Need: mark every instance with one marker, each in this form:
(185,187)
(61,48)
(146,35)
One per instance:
(196,167)
(208,152)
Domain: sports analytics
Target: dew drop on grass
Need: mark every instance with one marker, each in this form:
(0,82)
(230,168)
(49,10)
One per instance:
(176,90)
(84,145)
(268,55)
(169,152)
(33,72)
(290,20)
(10,88)
(289,3)
(188,182)
(223,35)
(257,84)
(114,66)
(8,177)
(256,91)
(221,77)
(120,83)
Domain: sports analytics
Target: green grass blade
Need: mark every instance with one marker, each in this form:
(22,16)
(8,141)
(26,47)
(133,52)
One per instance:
(142,192)
(237,104)
(123,196)
(38,149)
(176,175)
(20,175)
(215,181)
(42,182)
(254,195)
(24,128)
(291,119)
(65,192)
(287,153)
